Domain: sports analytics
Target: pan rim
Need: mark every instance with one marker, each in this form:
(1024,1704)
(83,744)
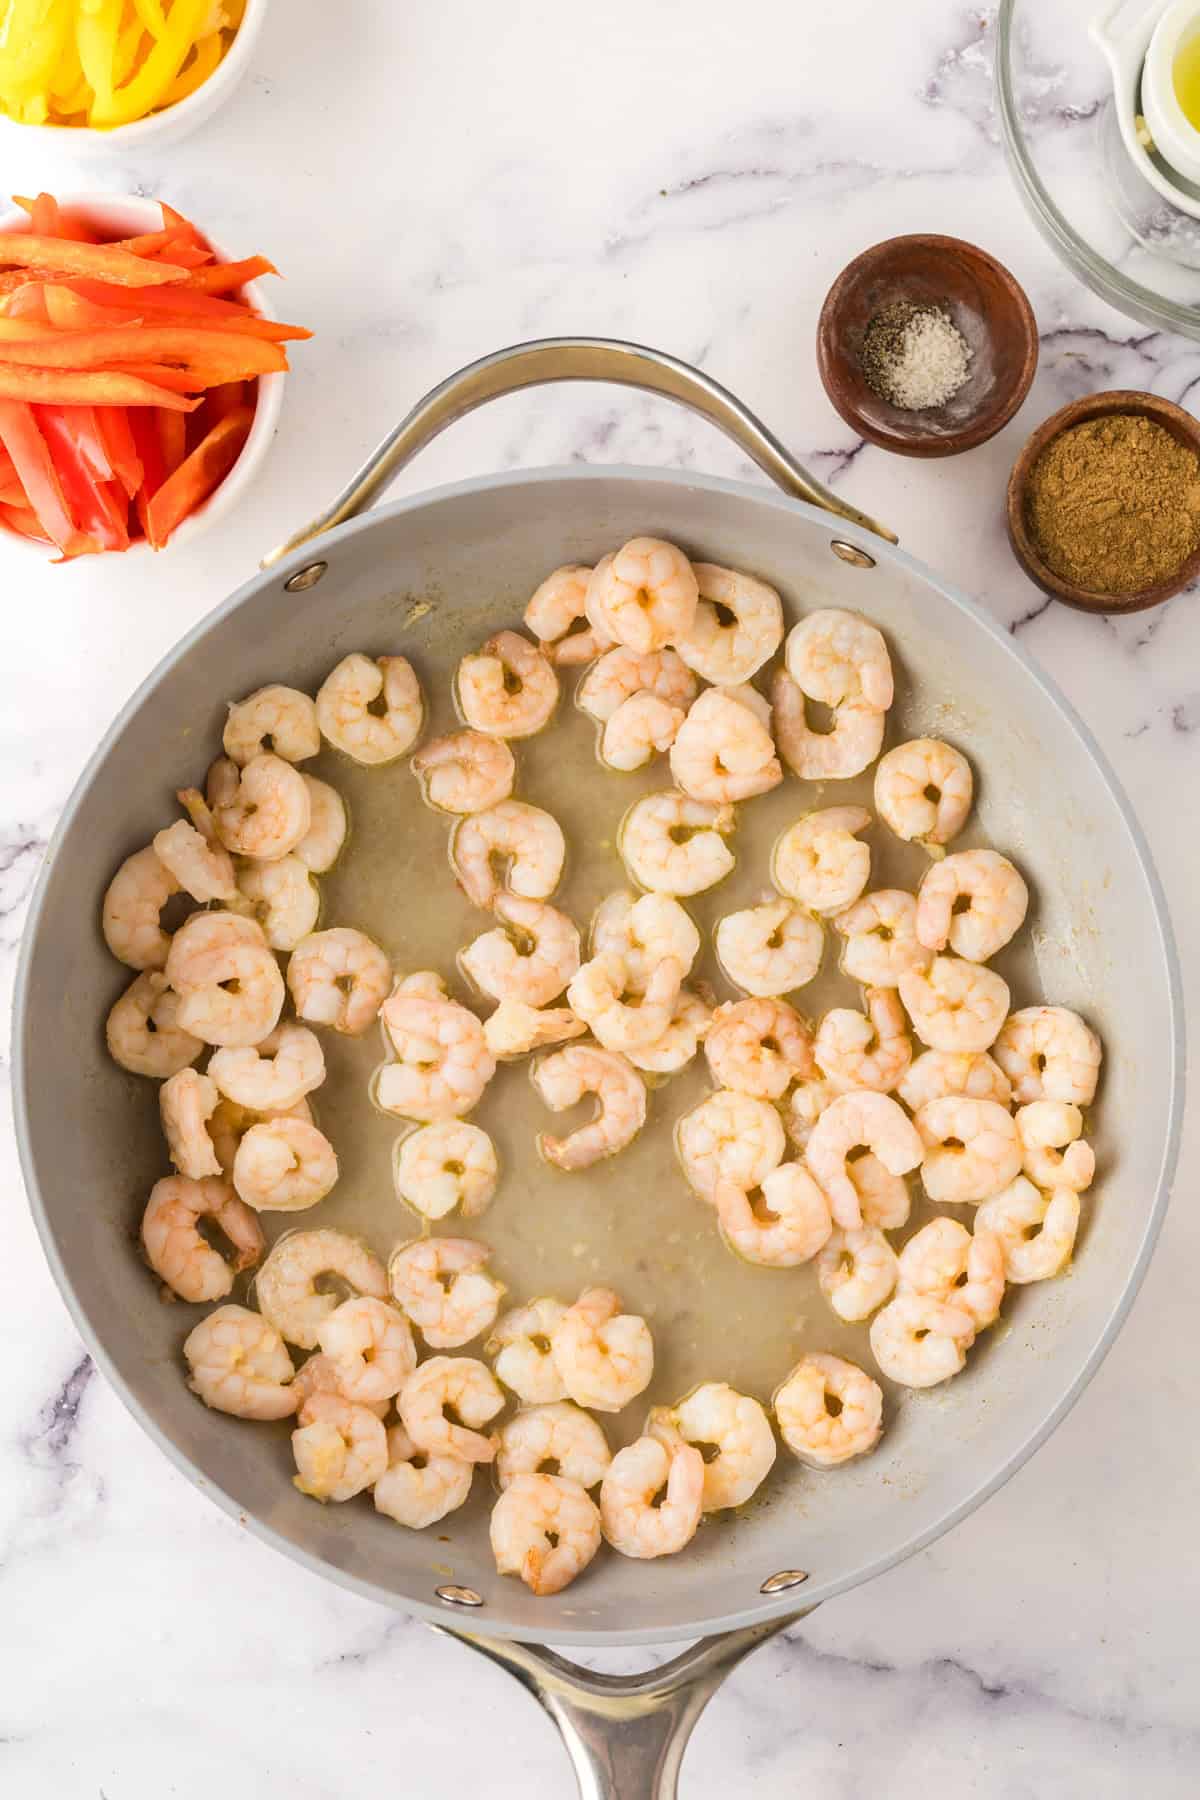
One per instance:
(489,1623)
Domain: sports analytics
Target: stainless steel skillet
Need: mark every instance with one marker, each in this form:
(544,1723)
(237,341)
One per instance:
(89,1140)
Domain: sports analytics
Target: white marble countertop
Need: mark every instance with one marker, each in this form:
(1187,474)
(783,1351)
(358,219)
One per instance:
(435,180)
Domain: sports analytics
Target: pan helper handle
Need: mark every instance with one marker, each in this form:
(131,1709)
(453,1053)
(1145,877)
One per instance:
(625,1734)
(573,359)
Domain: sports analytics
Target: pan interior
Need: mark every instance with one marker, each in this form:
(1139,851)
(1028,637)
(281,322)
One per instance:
(431,579)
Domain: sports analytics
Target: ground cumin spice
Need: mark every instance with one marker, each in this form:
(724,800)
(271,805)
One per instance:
(1114,504)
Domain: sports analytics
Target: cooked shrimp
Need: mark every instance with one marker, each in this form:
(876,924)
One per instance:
(865,1050)
(274,1076)
(729,650)
(546,1530)
(955,1005)
(918,1341)
(561,1435)
(523,838)
(632,1523)
(186,1103)
(447,1165)
(672,844)
(142,1030)
(644,595)
(442,1061)
(850,745)
(133,901)
(339,978)
(852,1120)
(857,1271)
(835,656)
(279,719)
(605,1356)
(641,727)
(285,1287)
(1048,1053)
(971,1149)
(1053,1153)
(466,772)
(811,1430)
(174,1247)
(514,1029)
(786,1226)
(923,791)
(691,1018)
(820,861)
(283,897)
(203,869)
(645,932)
(230,1123)
(716,1416)
(284,1165)
(349,695)
(508,688)
(451,1383)
(339,1448)
(940,1073)
(996,902)
(238,1364)
(321,1375)
(1036,1230)
(770,950)
(269,813)
(758,1047)
(806,1102)
(530,957)
(729,1137)
(229,982)
(441,1285)
(621,1019)
(883,1198)
(417,1490)
(557,606)
(881,938)
(723,751)
(622,673)
(563,1079)
(944,1261)
(321,844)
(220,787)
(371,1346)
(520,1345)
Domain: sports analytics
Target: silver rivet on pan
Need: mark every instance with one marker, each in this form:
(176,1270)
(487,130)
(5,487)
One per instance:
(786,1578)
(306,577)
(848,552)
(459,1596)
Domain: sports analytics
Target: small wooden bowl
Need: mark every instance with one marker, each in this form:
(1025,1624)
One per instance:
(986,304)
(1181,425)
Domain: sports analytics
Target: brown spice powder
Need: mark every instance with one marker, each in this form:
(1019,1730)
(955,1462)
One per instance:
(1114,504)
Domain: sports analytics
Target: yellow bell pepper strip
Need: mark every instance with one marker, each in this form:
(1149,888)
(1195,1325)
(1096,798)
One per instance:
(208,53)
(150,13)
(148,87)
(86,387)
(97,27)
(129,48)
(213,356)
(33,36)
(197,476)
(63,256)
(35,469)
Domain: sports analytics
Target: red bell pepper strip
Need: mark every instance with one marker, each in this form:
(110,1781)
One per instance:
(82,423)
(86,387)
(119,445)
(92,505)
(226,399)
(143,424)
(11,492)
(28,302)
(172,435)
(35,468)
(7,471)
(197,476)
(221,277)
(47,219)
(205,311)
(70,310)
(167,381)
(23,521)
(24,250)
(217,355)
(26,330)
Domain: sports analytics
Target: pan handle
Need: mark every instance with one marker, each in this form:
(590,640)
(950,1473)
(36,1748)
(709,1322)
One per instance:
(625,1734)
(572,359)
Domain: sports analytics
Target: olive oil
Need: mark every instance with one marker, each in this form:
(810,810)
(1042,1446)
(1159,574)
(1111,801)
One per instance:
(1186,77)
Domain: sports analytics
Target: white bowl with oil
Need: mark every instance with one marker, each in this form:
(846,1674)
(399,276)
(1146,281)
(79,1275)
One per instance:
(1146,57)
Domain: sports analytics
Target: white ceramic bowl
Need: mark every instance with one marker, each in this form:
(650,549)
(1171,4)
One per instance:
(125,215)
(1175,137)
(174,122)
